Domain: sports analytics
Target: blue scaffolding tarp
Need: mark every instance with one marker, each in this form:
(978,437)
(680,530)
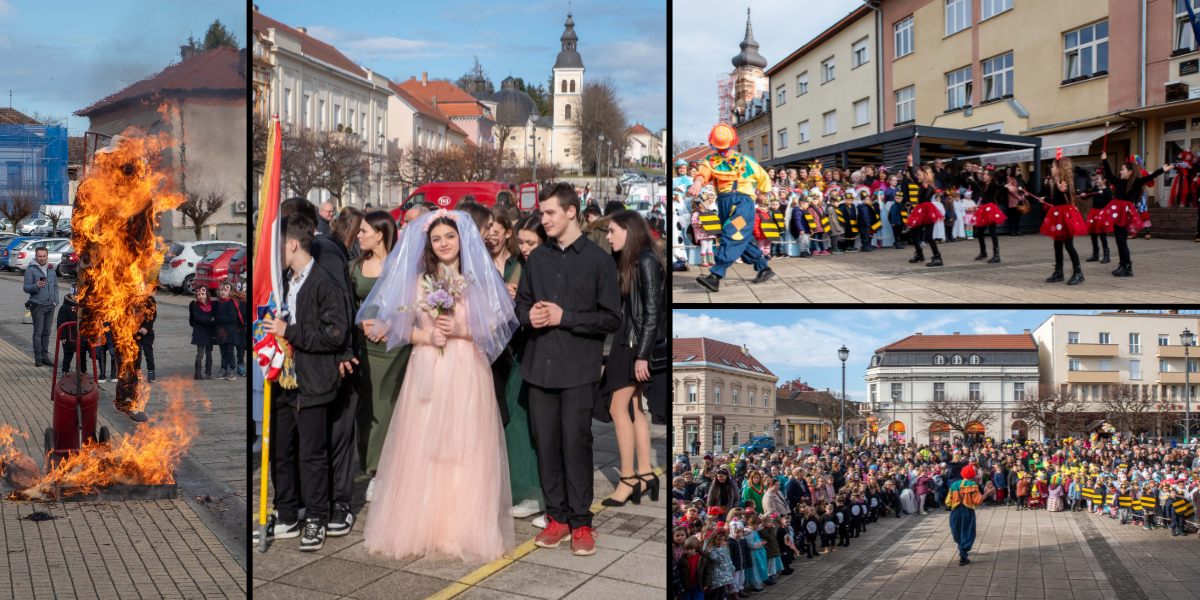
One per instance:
(34,157)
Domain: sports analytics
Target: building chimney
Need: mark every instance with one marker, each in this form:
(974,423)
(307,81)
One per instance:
(745,350)
(917,333)
(424,79)
(185,52)
(303,30)
(955,333)
(1026,331)
(255,7)
(435,100)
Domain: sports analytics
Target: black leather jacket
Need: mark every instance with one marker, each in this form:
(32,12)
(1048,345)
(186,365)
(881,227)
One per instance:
(644,312)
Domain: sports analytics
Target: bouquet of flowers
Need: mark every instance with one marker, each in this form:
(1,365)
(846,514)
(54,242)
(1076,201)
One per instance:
(442,293)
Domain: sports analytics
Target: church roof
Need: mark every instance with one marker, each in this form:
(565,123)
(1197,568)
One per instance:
(749,56)
(638,128)
(512,105)
(569,58)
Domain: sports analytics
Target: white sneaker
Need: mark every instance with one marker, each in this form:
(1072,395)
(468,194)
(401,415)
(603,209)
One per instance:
(527,508)
(924,512)
(540,522)
(370,489)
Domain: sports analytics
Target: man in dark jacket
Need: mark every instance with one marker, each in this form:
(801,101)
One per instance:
(319,332)
(329,253)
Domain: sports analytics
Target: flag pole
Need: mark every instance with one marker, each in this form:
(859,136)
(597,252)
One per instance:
(268,194)
(1105,150)
(266,445)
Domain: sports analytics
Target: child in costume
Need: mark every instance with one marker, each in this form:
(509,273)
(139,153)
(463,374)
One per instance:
(843,517)
(767,532)
(828,530)
(964,497)
(704,238)
(787,545)
(761,214)
(810,527)
(739,554)
(722,564)
(756,571)
(694,569)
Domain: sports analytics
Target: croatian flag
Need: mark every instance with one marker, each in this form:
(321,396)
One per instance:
(268,272)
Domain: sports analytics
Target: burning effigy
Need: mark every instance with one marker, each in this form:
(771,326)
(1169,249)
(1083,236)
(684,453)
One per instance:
(117,209)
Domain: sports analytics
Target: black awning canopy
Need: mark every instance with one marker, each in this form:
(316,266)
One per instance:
(891,148)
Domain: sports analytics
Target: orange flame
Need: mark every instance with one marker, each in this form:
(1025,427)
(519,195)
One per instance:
(9,452)
(149,456)
(117,207)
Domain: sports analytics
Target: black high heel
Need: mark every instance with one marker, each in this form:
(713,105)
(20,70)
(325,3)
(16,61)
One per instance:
(652,485)
(635,496)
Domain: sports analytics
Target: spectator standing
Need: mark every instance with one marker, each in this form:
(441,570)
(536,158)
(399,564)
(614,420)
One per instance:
(201,317)
(41,284)
(324,217)
(225,319)
(145,338)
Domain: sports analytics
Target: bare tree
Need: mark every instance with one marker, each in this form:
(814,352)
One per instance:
(523,173)
(260,126)
(200,207)
(1052,409)
(19,201)
(344,164)
(680,146)
(958,412)
(1130,409)
(300,169)
(599,112)
(467,80)
(54,217)
(416,166)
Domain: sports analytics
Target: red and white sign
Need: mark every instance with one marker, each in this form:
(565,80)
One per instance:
(444,201)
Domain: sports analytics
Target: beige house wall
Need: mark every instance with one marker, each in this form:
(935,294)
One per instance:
(742,417)
(849,86)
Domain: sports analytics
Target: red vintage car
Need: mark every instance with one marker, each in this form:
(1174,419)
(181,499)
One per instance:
(216,267)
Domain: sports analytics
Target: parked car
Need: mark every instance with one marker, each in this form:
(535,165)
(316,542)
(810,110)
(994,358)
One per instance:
(5,223)
(758,444)
(25,253)
(179,266)
(29,225)
(64,229)
(69,266)
(6,249)
(215,267)
(639,198)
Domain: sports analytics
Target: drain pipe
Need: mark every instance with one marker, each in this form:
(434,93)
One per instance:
(1142,95)
(879,64)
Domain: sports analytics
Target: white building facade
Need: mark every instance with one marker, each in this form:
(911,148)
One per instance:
(905,376)
(1087,353)
(721,396)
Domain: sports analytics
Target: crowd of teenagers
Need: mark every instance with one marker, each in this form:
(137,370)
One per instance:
(818,211)
(740,521)
(456,357)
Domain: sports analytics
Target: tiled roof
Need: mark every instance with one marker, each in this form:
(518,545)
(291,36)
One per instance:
(697,153)
(460,109)
(808,404)
(420,105)
(212,71)
(444,90)
(309,45)
(638,128)
(12,116)
(1022,341)
(718,353)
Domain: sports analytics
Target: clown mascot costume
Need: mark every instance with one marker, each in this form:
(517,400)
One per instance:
(737,179)
(964,497)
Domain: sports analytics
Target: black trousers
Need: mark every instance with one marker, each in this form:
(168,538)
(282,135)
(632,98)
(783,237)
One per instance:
(810,544)
(1098,240)
(925,234)
(241,354)
(865,235)
(1122,236)
(226,356)
(1069,244)
(299,433)
(103,354)
(343,444)
(1014,219)
(844,535)
(203,353)
(68,357)
(987,230)
(561,423)
(145,348)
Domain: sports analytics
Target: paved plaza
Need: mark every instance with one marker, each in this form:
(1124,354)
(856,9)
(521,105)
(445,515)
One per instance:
(191,547)
(629,563)
(1026,555)
(1163,272)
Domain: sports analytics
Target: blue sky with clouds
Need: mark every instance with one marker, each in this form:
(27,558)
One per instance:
(58,56)
(804,343)
(623,39)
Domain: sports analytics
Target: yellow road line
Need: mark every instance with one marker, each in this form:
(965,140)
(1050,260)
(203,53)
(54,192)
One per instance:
(478,575)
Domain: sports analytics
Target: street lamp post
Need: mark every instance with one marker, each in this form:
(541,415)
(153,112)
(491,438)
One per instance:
(843,354)
(1187,338)
(892,426)
(598,146)
(607,165)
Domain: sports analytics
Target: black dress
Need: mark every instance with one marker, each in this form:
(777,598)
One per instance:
(628,345)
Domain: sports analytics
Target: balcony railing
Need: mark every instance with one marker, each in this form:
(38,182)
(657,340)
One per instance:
(1093,376)
(1178,377)
(1092,349)
(1177,352)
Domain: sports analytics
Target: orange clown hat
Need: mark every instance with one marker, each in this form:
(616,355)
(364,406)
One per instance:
(722,137)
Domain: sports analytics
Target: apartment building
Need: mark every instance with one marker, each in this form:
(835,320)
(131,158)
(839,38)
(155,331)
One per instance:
(721,395)
(1087,353)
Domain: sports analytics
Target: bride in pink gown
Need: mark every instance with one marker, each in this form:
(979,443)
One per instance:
(442,483)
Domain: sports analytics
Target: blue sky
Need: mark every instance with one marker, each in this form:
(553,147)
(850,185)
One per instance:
(58,57)
(804,343)
(624,39)
(706,38)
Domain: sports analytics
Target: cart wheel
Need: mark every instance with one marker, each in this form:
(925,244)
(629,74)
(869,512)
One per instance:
(103,436)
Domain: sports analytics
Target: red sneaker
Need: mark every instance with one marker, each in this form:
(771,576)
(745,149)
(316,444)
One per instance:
(581,541)
(552,534)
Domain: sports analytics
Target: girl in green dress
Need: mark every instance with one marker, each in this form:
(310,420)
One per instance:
(522,460)
(383,371)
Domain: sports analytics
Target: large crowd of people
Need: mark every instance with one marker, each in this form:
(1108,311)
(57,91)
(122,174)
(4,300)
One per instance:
(736,514)
(729,208)
(457,357)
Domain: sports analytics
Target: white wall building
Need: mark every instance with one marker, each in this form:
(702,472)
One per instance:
(1087,353)
(920,368)
(720,395)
